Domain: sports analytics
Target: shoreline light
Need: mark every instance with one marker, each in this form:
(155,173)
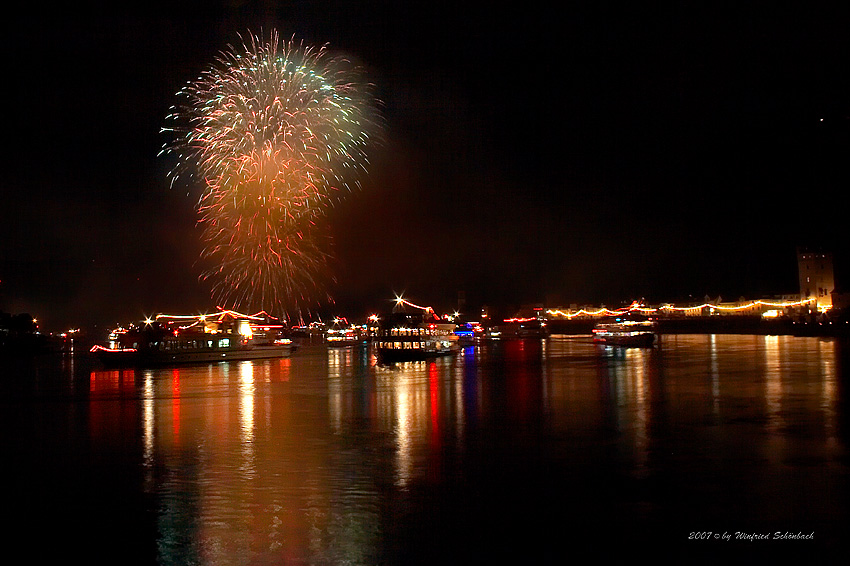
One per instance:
(603,311)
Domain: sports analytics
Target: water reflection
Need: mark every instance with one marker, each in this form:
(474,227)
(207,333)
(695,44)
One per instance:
(311,459)
(773,371)
(246,414)
(148,419)
(715,374)
(625,372)
(409,395)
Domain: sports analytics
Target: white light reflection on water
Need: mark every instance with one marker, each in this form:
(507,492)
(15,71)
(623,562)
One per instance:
(715,375)
(148,403)
(627,371)
(409,401)
(457,379)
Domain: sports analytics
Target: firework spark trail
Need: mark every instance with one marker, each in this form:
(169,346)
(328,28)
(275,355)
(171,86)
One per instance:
(278,132)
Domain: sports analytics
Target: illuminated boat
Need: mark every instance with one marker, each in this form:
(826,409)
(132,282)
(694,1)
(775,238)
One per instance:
(339,336)
(406,337)
(469,332)
(628,331)
(172,340)
(520,328)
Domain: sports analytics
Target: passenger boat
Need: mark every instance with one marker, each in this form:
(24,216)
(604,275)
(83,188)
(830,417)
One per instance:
(469,332)
(172,340)
(628,330)
(519,328)
(339,336)
(405,337)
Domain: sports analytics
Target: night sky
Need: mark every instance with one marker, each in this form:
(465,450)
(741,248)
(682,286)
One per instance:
(535,152)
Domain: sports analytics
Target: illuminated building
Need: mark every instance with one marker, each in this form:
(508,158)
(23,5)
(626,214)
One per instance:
(817,279)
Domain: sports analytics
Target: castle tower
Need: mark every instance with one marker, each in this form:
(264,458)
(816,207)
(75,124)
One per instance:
(817,279)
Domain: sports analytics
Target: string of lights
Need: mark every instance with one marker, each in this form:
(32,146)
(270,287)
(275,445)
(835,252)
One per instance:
(402,301)
(637,307)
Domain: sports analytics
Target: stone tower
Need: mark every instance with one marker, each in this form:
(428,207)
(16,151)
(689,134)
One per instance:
(817,279)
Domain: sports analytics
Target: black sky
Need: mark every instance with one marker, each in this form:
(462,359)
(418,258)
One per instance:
(538,152)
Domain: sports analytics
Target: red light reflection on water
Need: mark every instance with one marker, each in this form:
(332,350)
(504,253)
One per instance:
(108,419)
(434,398)
(112,381)
(523,389)
(175,404)
(283,367)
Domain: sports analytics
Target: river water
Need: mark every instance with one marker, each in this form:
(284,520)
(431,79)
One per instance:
(519,451)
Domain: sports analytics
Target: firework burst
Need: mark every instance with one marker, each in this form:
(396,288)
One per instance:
(274,133)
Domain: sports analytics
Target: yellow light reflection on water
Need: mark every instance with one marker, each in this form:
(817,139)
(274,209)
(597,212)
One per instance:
(714,371)
(829,388)
(773,374)
(404,402)
(246,415)
(148,416)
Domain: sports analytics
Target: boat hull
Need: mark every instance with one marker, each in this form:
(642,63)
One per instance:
(137,358)
(394,355)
